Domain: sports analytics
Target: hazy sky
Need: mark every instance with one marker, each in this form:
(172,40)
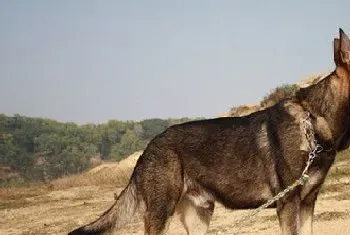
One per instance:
(91,61)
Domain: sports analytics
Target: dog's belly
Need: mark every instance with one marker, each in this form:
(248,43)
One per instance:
(235,188)
(234,194)
(237,178)
(244,197)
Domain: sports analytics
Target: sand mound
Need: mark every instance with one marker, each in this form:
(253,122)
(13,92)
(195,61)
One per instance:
(109,173)
(115,167)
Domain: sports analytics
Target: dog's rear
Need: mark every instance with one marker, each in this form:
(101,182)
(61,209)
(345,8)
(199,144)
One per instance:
(160,184)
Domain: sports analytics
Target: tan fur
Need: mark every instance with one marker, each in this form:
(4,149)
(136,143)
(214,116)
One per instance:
(195,218)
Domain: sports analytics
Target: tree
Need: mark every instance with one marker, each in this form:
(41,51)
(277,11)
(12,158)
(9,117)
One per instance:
(153,127)
(129,143)
(44,149)
(105,147)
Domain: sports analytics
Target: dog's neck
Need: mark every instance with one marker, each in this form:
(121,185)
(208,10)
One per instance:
(329,99)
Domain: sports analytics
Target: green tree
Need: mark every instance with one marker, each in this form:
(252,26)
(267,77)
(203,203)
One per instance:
(153,127)
(43,149)
(129,143)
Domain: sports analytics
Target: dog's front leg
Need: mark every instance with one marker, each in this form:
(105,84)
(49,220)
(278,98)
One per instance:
(289,215)
(306,215)
(307,211)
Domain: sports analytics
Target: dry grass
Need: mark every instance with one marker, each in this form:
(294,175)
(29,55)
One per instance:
(22,192)
(101,178)
(112,173)
(243,110)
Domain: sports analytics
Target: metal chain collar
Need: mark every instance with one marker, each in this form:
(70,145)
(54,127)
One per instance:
(314,148)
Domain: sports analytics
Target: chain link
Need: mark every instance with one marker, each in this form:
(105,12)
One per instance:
(314,148)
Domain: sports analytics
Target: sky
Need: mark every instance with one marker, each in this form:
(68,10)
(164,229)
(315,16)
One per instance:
(93,61)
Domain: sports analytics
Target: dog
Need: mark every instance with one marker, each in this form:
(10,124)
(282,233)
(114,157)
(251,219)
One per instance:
(240,162)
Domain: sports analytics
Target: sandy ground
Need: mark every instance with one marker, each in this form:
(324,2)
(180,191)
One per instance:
(59,211)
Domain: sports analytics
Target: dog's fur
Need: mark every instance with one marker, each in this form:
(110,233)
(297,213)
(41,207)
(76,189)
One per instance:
(240,162)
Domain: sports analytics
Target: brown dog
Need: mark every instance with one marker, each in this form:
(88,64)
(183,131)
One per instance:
(240,162)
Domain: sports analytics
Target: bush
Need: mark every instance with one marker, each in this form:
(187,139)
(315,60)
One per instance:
(278,94)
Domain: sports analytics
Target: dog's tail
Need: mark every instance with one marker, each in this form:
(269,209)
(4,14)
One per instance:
(116,216)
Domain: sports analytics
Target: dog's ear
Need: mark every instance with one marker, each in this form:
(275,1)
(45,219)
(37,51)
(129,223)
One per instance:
(336,49)
(344,47)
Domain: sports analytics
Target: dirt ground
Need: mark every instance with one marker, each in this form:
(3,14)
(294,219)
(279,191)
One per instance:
(59,211)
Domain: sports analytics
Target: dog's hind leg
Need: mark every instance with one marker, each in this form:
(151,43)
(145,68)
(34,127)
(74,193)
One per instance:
(160,181)
(195,218)
(160,206)
(156,220)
